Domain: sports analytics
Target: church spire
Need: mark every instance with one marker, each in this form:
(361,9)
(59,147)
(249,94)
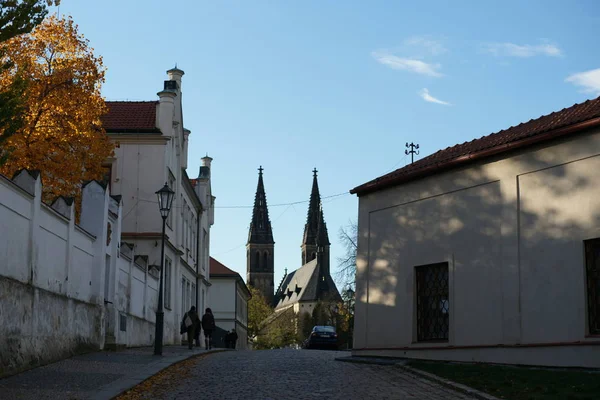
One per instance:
(260,227)
(315,217)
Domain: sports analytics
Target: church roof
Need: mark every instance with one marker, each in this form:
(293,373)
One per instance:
(576,118)
(305,284)
(130,116)
(260,227)
(315,217)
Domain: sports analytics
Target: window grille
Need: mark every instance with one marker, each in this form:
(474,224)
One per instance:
(592,269)
(433,304)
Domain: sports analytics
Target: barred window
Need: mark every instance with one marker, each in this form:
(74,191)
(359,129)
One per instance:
(592,274)
(433,302)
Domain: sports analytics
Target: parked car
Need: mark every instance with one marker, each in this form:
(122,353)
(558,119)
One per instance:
(322,337)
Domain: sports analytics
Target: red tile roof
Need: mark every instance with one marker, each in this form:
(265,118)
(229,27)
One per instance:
(566,121)
(130,116)
(216,268)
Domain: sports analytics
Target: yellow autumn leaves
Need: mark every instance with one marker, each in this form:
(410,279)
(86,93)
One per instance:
(61,134)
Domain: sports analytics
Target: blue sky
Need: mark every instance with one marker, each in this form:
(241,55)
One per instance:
(340,86)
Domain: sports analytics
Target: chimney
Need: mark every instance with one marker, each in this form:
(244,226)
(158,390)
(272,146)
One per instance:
(204,172)
(206,161)
(175,74)
(166,110)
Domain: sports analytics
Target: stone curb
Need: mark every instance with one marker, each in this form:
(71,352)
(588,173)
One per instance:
(371,360)
(448,383)
(120,386)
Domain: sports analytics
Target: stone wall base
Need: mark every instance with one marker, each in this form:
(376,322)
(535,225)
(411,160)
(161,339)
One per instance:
(39,327)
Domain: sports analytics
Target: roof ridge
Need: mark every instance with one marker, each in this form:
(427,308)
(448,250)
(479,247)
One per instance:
(131,101)
(502,140)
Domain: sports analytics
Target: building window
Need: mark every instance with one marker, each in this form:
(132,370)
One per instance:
(188,297)
(194,297)
(592,274)
(172,186)
(266,259)
(107,175)
(183,310)
(433,305)
(167,277)
(257,260)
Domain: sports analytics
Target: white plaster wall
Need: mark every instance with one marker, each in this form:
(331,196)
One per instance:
(512,231)
(223,298)
(50,275)
(15,214)
(138,173)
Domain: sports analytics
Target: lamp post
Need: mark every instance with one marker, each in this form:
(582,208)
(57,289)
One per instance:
(165,200)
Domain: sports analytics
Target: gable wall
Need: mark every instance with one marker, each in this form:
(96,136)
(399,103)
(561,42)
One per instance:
(511,231)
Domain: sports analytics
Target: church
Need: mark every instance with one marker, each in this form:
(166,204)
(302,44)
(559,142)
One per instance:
(299,290)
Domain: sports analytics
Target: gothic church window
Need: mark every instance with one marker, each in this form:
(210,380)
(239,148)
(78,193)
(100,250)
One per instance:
(257,260)
(266,260)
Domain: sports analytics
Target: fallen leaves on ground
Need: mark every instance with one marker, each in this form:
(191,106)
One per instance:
(163,382)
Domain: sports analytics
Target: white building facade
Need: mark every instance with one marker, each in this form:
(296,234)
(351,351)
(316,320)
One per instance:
(230,297)
(152,149)
(487,251)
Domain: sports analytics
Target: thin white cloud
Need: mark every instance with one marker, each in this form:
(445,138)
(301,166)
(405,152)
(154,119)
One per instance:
(588,80)
(427,43)
(525,50)
(407,64)
(424,93)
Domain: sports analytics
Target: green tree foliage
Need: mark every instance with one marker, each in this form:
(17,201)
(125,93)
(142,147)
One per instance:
(21,16)
(17,17)
(258,312)
(278,331)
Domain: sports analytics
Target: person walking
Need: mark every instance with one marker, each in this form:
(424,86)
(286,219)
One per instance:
(208,324)
(233,337)
(192,323)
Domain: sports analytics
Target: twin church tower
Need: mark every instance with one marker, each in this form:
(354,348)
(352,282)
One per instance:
(261,246)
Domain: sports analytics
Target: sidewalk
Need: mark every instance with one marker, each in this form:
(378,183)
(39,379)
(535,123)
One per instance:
(95,376)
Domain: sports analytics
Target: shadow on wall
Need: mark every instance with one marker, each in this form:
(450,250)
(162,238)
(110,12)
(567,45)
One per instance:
(512,234)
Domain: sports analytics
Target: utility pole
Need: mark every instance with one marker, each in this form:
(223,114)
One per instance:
(412,151)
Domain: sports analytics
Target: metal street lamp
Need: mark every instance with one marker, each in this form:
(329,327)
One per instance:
(165,200)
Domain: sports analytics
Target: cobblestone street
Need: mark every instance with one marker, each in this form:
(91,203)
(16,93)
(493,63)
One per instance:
(296,374)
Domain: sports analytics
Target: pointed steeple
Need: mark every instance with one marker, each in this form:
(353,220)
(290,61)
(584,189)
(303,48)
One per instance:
(260,227)
(315,217)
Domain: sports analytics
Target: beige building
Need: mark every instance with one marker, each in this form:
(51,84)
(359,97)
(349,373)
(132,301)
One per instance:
(487,251)
(152,148)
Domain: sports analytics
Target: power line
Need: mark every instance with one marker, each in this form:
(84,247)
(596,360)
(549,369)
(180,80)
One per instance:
(398,163)
(252,206)
(288,204)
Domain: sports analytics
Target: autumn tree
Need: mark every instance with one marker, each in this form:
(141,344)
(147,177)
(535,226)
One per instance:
(16,18)
(61,134)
